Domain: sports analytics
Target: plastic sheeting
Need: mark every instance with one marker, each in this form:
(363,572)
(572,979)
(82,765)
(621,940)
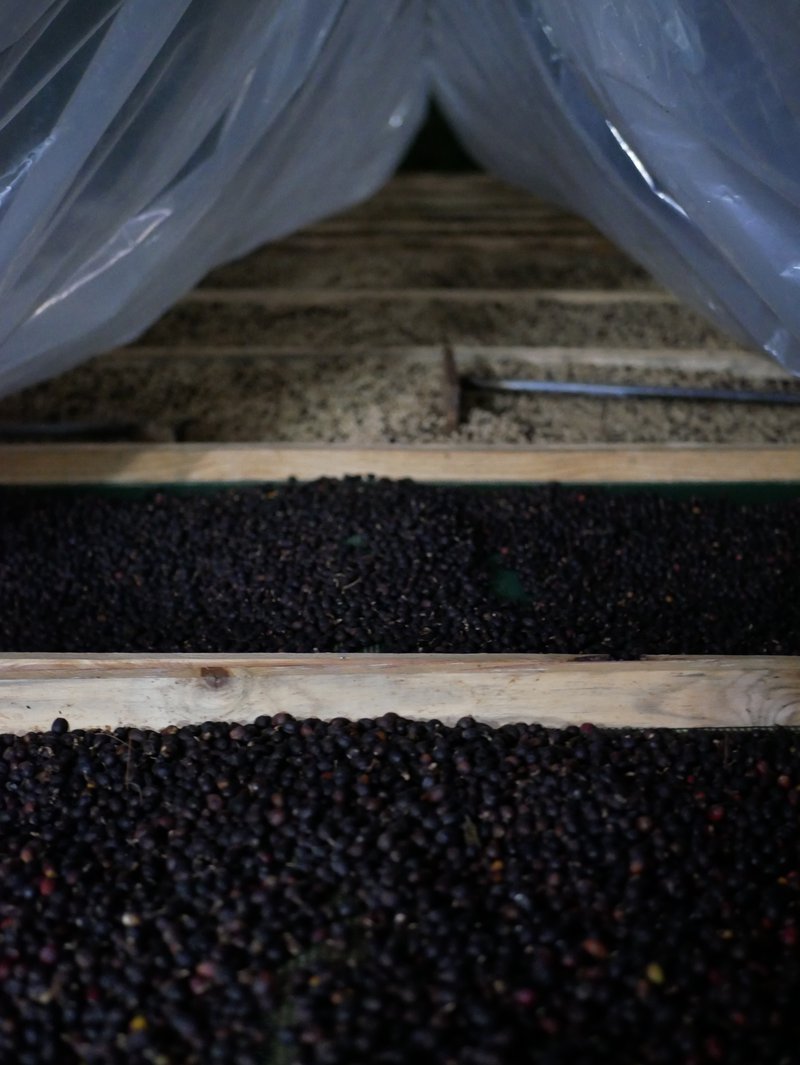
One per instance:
(142,142)
(673,125)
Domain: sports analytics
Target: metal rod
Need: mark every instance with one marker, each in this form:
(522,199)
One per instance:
(585,388)
(24,432)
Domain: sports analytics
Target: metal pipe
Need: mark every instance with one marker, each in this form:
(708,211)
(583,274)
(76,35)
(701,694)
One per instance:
(585,388)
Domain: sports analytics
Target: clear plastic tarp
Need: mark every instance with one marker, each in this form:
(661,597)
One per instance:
(673,125)
(142,142)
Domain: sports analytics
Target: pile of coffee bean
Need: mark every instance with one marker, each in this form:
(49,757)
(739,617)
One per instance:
(375,892)
(359,565)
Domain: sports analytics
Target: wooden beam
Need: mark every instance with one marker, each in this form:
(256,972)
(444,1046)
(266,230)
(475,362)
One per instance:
(393,352)
(335,296)
(528,225)
(106,691)
(75,464)
(474,238)
(746,364)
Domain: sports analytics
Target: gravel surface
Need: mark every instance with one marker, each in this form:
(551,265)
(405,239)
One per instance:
(393,566)
(420,263)
(307,295)
(379,892)
(383,320)
(363,398)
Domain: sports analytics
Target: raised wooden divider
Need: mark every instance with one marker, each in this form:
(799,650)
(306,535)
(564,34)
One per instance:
(106,691)
(131,464)
(745,364)
(333,296)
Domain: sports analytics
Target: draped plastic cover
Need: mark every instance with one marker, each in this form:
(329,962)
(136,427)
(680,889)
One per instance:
(673,125)
(144,141)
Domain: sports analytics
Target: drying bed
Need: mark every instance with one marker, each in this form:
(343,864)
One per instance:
(380,891)
(336,333)
(343,566)
(683,690)
(385,396)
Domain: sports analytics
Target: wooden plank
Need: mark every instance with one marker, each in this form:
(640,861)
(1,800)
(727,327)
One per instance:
(333,296)
(74,464)
(137,352)
(160,690)
(402,214)
(514,223)
(745,364)
(356,264)
(445,203)
(474,237)
(344,318)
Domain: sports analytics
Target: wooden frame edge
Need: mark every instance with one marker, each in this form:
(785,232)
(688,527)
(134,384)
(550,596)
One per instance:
(132,464)
(751,365)
(155,691)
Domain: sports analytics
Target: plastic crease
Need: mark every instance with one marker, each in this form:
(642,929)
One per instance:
(143,142)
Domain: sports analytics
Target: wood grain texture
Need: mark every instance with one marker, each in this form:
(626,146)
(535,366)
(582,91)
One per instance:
(160,690)
(487,238)
(336,296)
(529,225)
(73,464)
(746,364)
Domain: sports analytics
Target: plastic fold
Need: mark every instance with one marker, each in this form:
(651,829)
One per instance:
(143,142)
